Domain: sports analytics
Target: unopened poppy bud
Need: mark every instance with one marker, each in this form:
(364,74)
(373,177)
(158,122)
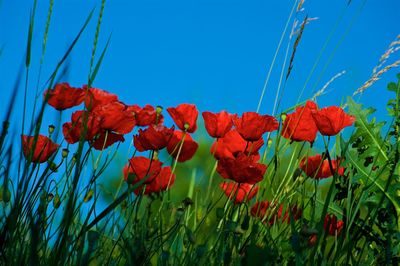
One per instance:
(53,167)
(64,153)
(283,116)
(50,196)
(155,156)
(187,201)
(56,201)
(269,143)
(88,196)
(159,109)
(51,129)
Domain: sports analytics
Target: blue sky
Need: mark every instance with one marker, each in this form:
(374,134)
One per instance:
(215,54)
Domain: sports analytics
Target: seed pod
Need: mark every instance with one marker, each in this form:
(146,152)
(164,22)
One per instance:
(88,196)
(283,116)
(50,196)
(64,153)
(51,129)
(56,201)
(53,167)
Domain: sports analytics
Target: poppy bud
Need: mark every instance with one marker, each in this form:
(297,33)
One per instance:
(56,201)
(50,196)
(40,253)
(269,143)
(159,109)
(155,155)
(88,195)
(187,201)
(283,116)
(398,193)
(186,126)
(64,153)
(53,167)
(51,129)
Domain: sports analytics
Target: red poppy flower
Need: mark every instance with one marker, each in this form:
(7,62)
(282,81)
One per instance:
(153,138)
(141,168)
(316,167)
(332,226)
(243,191)
(189,146)
(218,124)
(241,169)
(95,97)
(232,144)
(164,180)
(146,116)
(300,125)
(184,116)
(264,210)
(106,139)
(115,116)
(44,148)
(331,120)
(259,209)
(63,96)
(73,130)
(251,126)
(312,240)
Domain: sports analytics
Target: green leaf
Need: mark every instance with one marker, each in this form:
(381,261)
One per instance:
(370,132)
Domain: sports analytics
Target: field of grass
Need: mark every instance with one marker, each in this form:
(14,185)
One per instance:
(316,185)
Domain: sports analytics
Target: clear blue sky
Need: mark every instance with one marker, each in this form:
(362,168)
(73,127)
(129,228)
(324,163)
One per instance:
(215,54)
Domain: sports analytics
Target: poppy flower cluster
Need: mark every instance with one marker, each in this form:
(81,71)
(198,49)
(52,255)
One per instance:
(318,167)
(332,227)
(104,121)
(152,176)
(236,147)
(270,213)
(304,123)
(156,137)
